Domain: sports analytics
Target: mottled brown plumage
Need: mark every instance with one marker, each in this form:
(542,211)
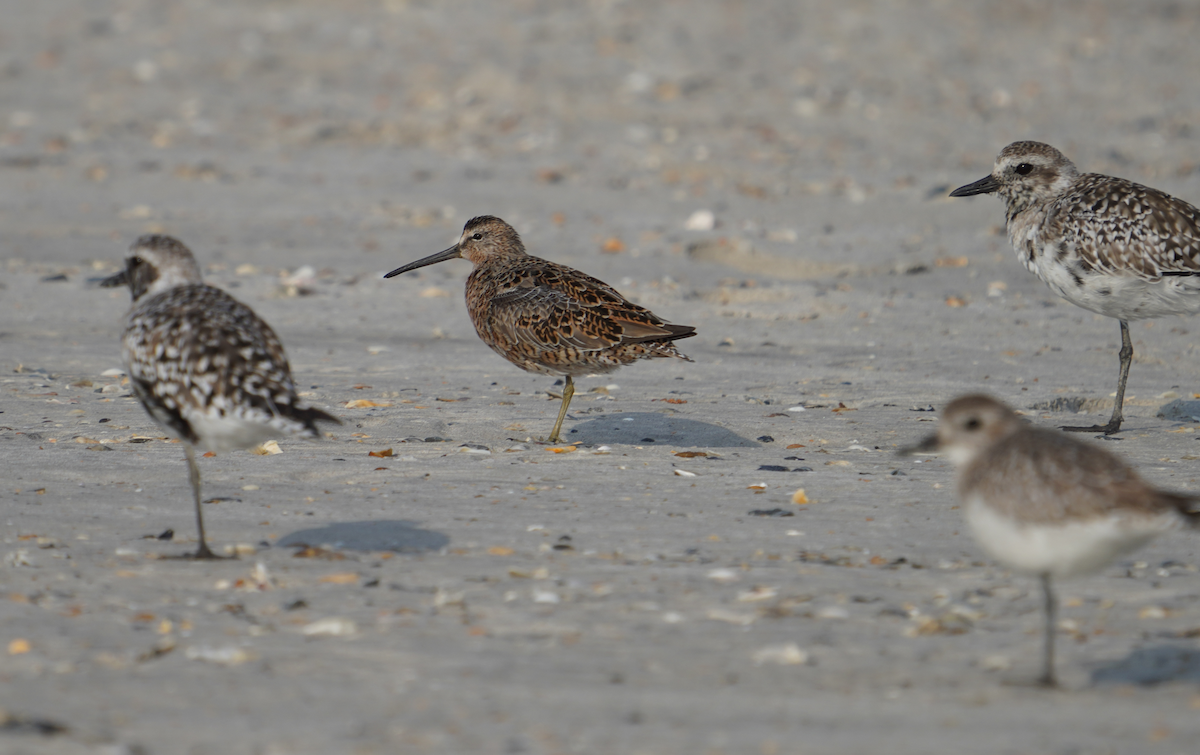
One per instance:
(1106,244)
(549,318)
(1045,503)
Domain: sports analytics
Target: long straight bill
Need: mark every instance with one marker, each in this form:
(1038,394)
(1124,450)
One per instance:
(433,259)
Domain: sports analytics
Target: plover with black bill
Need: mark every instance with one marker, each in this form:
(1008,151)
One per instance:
(549,318)
(1046,504)
(1106,244)
(205,366)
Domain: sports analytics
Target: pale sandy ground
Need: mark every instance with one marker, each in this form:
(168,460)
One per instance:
(354,137)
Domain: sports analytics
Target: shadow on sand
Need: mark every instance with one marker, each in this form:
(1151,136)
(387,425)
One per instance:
(379,535)
(1153,665)
(644,428)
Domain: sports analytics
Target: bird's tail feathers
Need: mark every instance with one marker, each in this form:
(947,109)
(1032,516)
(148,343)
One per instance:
(310,415)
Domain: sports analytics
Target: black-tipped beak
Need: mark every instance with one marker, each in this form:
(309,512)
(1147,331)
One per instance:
(113,281)
(985,185)
(928,445)
(433,259)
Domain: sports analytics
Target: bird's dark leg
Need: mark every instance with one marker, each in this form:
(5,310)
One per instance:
(1114,424)
(203,551)
(1047,679)
(568,392)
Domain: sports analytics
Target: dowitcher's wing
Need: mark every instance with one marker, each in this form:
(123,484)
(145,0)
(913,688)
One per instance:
(552,308)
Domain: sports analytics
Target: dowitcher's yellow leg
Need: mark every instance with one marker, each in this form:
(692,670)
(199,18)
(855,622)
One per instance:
(568,392)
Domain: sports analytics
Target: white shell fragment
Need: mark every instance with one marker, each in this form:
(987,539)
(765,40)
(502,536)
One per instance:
(757,593)
(333,626)
(700,220)
(270,448)
(732,617)
(785,654)
(723,576)
(223,656)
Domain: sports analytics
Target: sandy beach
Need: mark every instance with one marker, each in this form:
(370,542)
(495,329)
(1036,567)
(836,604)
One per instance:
(431,577)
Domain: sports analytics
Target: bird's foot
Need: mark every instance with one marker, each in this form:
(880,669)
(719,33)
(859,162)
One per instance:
(203,553)
(1047,681)
(1107,429)
(1041,682)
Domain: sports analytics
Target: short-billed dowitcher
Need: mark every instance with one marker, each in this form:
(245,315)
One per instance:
(203,365)
(1106,244)
(1046,504)
(549,318)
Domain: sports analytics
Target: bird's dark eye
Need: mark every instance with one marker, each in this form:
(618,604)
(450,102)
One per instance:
(972,424)
(477,236)
(135,261)
(1023,169)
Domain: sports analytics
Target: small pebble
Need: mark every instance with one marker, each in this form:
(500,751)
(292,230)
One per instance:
(832,612)
(757,593)
(995,663)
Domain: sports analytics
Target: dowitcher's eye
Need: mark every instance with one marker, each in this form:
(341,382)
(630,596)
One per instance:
(135,261)
(477,236)
(972,424)
(1023,169)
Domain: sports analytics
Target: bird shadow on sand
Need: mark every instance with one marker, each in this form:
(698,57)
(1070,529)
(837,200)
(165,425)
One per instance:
(378,535)
(1152,665)
(644,428)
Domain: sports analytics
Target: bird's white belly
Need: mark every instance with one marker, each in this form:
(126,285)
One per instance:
(1118,294)
(229,432)
(1061,550)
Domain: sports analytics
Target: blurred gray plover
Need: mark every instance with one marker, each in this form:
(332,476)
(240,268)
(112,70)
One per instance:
(204,366)
(549,318)
(1108,245)
(1046,504)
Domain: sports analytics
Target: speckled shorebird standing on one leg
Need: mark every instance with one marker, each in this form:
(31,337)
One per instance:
(549,318)
(203,364)
(1046,504)
(1108,245)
